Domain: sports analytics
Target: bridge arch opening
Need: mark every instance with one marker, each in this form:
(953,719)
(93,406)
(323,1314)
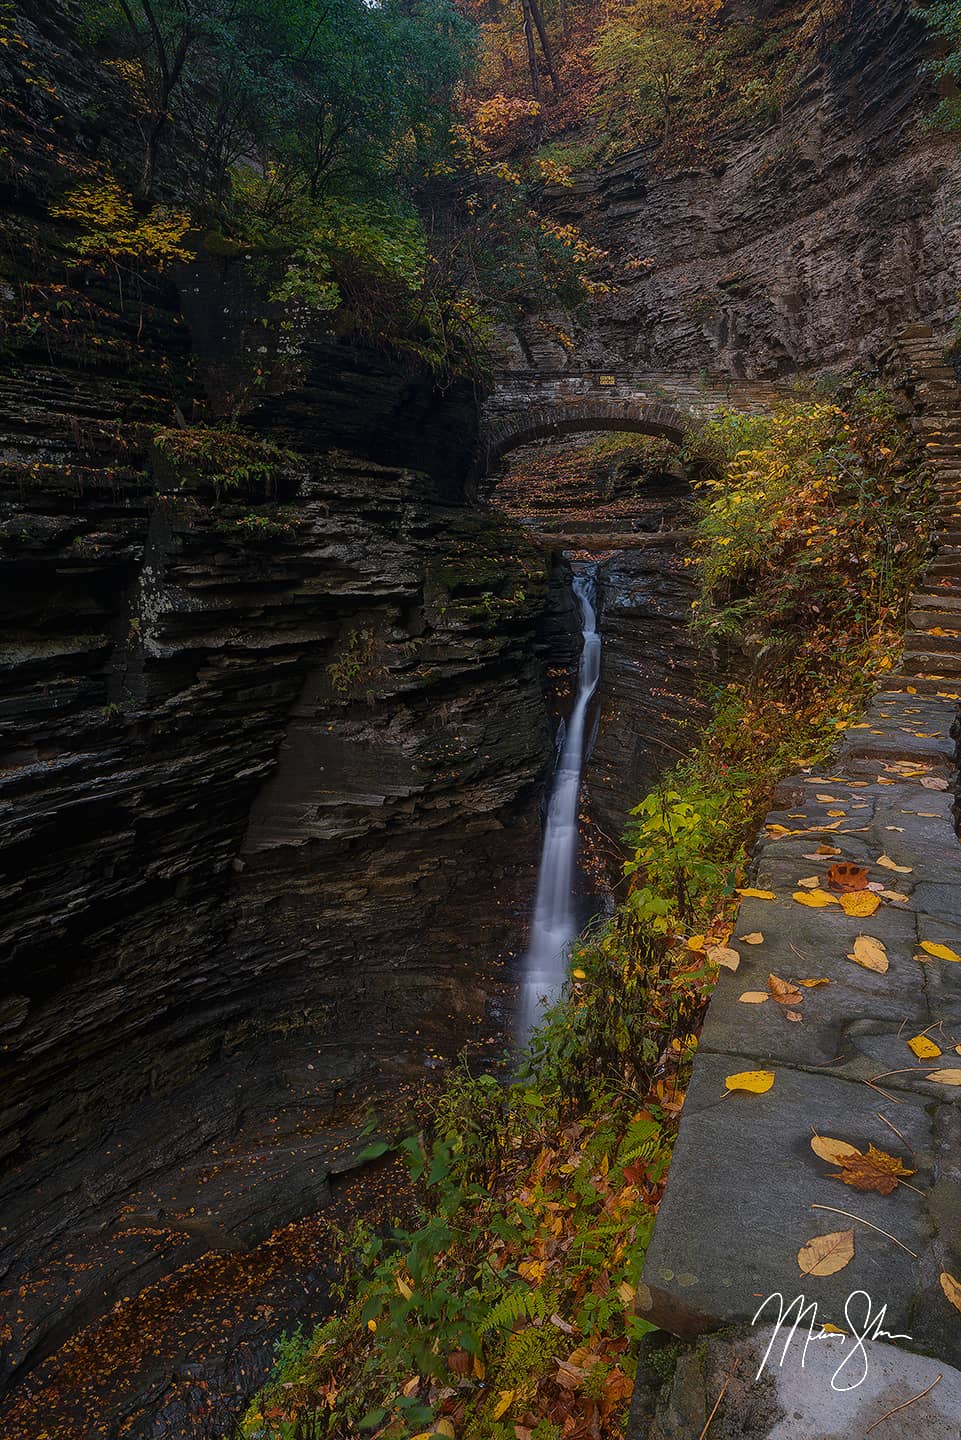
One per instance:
(516,428)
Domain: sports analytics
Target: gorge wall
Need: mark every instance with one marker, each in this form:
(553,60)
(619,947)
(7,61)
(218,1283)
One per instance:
(271,751)
(802,245)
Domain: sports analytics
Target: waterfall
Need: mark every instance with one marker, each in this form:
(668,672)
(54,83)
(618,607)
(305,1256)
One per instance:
(554,923)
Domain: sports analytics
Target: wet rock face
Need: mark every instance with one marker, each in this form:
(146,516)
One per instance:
(804,246)
(270,762)
(327,719)
(653,676)
(626,508)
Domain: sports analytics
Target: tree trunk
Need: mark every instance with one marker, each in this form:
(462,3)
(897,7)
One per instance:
(531,56)
(535,10)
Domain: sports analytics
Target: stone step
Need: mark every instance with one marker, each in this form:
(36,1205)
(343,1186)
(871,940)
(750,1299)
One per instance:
(922,622)
(918,641)
(915,685)
(934,370)
(934,665)
(942,601)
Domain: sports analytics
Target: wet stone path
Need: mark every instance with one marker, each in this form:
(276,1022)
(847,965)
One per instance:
(869,1054)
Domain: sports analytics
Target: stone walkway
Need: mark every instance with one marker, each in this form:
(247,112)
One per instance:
(746,1191)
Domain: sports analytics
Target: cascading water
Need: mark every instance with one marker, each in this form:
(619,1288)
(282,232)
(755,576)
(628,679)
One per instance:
(555,922)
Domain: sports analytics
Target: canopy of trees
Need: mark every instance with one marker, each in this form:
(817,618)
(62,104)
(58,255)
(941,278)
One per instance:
(323,93)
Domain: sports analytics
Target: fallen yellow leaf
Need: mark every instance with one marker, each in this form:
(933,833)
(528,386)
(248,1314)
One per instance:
(832,1150)
(810,882)
(755,938)
(758,894)
(940,952)
(945,1077)
(951,1288)
(816,899)
(444,1427)
(894,895)
(754,997)
(578,974)
(627,1292)
(696,942)
(813,984)
(504,1402)
(890,864)
(871,954)
(860,903)
(924,1048)
(827,1254)
(757,1082)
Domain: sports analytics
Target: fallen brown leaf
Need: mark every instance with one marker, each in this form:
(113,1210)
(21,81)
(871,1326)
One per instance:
(871,954)
(846,876)
(873,1171)
(783,991)
(951,1288)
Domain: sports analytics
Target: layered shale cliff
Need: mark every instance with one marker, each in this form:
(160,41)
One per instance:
(802,244)
(273,734)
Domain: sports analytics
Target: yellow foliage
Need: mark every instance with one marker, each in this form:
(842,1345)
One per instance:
(113,229)
(496,118)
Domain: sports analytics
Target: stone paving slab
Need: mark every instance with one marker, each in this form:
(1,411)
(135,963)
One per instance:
(743,1180)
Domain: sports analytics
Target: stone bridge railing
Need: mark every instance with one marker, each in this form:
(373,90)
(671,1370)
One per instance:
(526,405)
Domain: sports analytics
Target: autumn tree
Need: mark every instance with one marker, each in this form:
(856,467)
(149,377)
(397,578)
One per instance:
(652,50)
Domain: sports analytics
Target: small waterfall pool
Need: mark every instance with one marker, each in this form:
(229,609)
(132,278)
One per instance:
(555,921)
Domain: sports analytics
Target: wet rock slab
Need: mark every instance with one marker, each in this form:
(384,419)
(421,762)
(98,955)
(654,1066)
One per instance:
(745,1190)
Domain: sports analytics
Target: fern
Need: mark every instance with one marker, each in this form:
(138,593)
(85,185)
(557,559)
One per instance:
(515,1305)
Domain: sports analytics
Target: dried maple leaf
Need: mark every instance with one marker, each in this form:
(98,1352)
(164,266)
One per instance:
(873,1171)
(845,876)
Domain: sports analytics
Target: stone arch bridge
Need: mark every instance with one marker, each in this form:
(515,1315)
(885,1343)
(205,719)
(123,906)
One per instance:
(526,405)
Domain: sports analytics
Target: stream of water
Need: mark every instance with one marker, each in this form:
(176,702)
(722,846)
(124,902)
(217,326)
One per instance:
(555,923)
